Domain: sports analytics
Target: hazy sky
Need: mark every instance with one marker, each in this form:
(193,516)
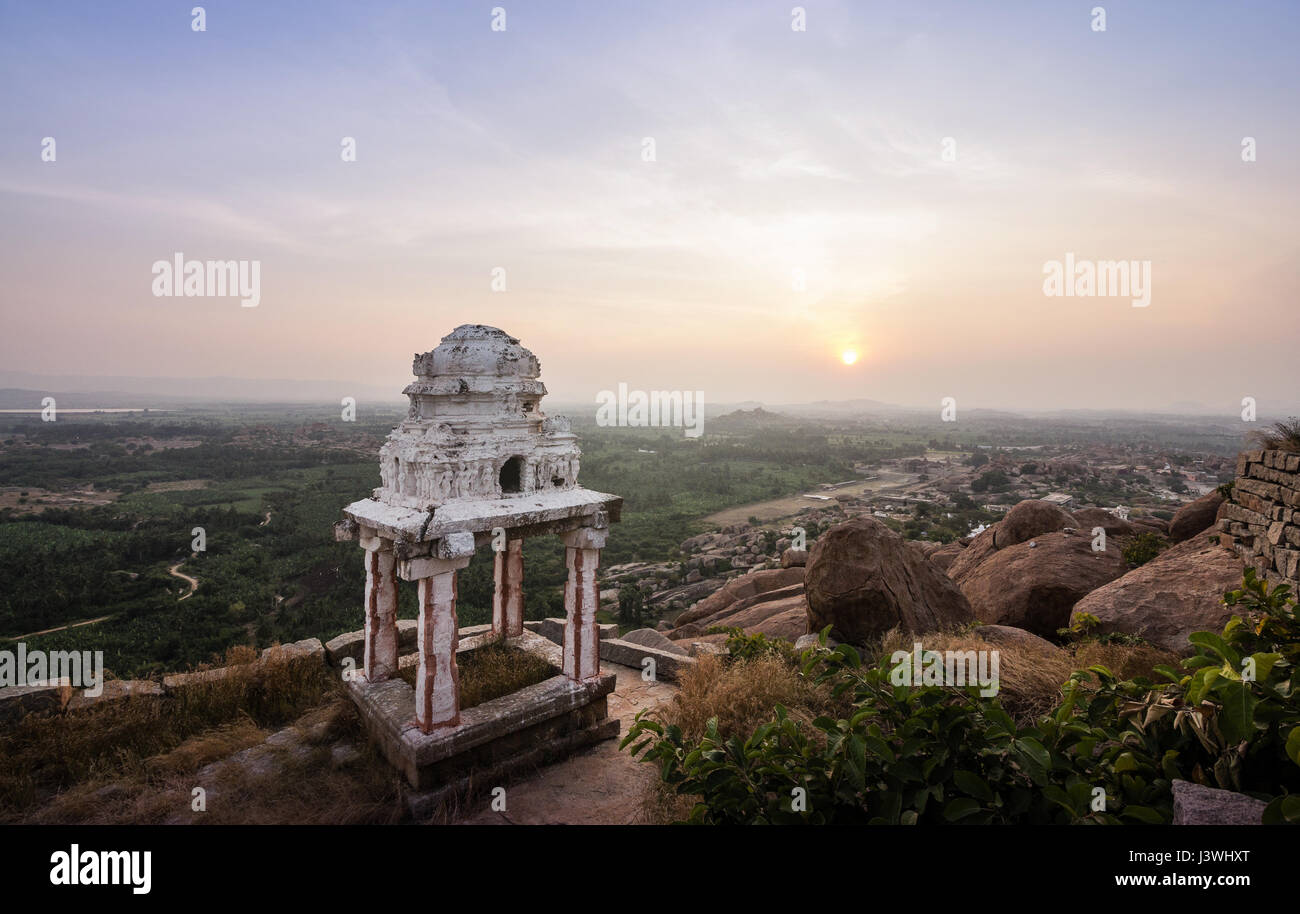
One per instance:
(776,151)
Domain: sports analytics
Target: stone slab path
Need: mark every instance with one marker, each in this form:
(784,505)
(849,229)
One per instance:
(599,786)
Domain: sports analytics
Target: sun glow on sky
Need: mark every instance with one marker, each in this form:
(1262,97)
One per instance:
(849,356)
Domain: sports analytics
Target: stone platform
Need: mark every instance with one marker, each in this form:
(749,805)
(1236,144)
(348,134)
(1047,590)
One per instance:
(534,726)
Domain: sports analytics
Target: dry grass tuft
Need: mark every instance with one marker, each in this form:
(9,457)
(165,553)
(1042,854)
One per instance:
(493,670)
(741,695)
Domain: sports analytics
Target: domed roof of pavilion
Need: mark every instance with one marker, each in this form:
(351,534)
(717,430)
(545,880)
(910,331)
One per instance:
(478,350)
(475,450)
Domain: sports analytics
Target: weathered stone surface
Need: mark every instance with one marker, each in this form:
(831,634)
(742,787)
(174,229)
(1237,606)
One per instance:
(752,607)
(599,786)
(1260,517)
(785,618)
(863,580)
(648,637)
(1088,518)
(1178,592)
(794,557)
(553,630)
(1197,805)
(116,690)
(351,645)
(945,555)
(1194,517)
(19,701)
(977,550)
(1028,519)
(309,648)
(668,664)
(1034,585)
(1159,525)
(740,588)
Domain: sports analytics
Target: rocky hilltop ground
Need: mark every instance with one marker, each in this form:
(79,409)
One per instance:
(1039,570)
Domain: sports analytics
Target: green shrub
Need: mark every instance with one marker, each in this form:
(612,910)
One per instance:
(741,646)
(1108,753)
(1143,548)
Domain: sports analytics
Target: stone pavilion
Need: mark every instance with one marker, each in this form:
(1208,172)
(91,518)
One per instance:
(475,463)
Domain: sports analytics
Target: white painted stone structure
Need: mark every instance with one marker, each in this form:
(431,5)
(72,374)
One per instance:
(474,462)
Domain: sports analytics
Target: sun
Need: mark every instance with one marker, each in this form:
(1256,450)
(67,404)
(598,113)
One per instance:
(849,356)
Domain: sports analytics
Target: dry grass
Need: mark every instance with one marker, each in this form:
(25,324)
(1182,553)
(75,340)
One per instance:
(1280,436)
(741,695)
(48,754)
(493,670)
(301,784)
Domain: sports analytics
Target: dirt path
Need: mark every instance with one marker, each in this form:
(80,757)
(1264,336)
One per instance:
(600,786)
(60,628)
(193,582)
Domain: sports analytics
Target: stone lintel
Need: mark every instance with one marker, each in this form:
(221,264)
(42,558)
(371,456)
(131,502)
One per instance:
(415,569)
(545,512)
(586,538)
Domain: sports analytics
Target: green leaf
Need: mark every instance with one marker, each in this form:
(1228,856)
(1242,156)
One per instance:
(960,808)
(1237,719)
(1293,745)
(1143,814)
(971,783)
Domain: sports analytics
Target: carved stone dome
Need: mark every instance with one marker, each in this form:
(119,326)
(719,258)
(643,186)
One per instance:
(475,427)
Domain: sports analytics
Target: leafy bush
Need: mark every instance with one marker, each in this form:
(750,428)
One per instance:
(1143,548)
(741,646)
(1108,753)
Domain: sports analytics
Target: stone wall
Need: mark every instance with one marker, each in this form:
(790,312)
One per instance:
(1263,514)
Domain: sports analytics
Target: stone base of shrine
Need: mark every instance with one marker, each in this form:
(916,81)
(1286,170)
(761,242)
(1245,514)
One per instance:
(497,739)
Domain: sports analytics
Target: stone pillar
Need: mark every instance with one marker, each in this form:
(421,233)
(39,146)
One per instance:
(581,599)
(508,595)
(380,654)
(437,680)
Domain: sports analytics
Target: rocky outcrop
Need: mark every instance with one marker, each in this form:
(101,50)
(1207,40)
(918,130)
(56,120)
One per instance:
(1178,592)
(1023,522)
(1194,517)
(945,555)
(1034,585)
(1197,805)
(864,579)
(976,551)
(1088,518)
(794,557)
(648,637)
(1029,519)
(741,588)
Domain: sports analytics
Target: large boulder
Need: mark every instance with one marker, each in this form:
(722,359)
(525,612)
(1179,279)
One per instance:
(739,588)
(945,555)
(1029,519)
(1034,585)
(1088,518)
(1195,516)
(1198,805)
(1023,522)
(1178,592)
(976,551)
(648,637)
(864,579)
